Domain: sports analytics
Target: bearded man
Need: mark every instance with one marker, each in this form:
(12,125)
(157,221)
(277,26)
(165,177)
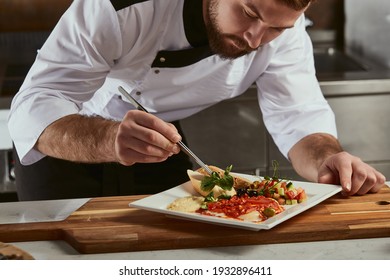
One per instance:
(75,136)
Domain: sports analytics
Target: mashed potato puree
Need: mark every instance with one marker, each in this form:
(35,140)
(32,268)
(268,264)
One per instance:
(186,204)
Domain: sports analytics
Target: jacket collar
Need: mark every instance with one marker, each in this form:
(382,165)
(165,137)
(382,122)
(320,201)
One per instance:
(196,34)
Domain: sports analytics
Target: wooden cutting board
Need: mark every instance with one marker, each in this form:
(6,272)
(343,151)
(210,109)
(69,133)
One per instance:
(108,225)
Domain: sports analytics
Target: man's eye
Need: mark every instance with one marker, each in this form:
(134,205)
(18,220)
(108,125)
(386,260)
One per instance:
(250,14)
(278,30)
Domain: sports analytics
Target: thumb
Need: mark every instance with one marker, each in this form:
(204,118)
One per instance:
(346,185)
(329,178)
(326,178)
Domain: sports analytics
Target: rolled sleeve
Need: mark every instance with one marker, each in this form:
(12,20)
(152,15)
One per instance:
(71,66)
(29,120)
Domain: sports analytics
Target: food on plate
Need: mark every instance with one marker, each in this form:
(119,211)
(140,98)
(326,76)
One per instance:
(219,183)
(283,191)
(228,195)
(187,204)
(238,182)
(254,209)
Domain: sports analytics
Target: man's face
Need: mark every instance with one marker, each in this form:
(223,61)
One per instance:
(238,27)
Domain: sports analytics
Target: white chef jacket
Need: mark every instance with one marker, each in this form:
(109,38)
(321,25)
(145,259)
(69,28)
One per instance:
(158,51)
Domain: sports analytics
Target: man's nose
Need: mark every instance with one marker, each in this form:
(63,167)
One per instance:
(254,35)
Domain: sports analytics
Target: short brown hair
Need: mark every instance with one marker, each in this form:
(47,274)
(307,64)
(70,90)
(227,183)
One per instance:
(296,4)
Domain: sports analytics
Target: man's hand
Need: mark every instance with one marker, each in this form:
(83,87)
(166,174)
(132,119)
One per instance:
(320,158)
(355,176)
(142,137)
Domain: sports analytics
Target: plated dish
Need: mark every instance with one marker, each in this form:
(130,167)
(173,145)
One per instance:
(315,193)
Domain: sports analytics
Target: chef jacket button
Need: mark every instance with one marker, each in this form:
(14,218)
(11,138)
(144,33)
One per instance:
(162,59)
(138,93)
(157,71)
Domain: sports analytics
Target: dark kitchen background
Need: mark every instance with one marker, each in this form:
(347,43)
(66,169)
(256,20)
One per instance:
(352,58)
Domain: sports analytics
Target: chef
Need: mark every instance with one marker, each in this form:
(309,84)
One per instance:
(75,136)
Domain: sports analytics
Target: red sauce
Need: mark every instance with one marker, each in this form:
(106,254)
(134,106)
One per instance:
(237,206)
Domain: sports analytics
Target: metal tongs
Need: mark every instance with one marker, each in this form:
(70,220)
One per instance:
(183,147)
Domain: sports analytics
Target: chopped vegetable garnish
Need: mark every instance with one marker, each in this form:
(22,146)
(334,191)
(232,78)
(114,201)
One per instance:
(225,182)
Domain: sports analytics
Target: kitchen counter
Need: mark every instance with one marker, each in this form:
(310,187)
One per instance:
(15,212)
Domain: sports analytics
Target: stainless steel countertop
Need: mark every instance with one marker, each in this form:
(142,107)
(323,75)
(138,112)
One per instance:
(343,87)
(350,74)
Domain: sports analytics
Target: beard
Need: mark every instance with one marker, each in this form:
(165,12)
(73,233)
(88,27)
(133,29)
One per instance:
(227,46)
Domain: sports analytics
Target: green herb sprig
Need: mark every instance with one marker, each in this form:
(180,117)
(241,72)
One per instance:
(225,182)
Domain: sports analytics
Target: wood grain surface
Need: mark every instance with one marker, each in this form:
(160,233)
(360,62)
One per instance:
(11,252)
(107,224)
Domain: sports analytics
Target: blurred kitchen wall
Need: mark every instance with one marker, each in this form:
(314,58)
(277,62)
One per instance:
(367,29)
(39,15)
(328,16)
(30,15)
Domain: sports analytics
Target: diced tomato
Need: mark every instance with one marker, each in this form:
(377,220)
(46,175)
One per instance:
(282,201)
(291,194)
(271,183)
(284,185)
(299,190)
(301,196)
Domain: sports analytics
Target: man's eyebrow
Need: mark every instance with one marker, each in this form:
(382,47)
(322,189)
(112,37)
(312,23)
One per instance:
(258,13)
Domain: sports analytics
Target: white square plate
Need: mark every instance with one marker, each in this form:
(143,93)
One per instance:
(316,193)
